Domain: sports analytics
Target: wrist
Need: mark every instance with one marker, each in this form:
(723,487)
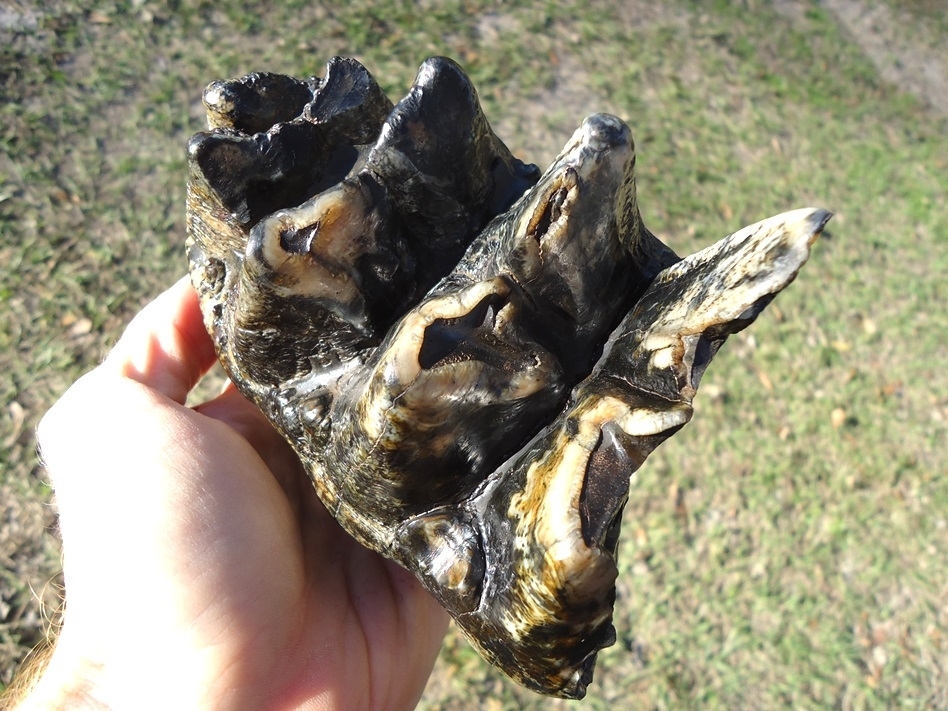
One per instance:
(49,680)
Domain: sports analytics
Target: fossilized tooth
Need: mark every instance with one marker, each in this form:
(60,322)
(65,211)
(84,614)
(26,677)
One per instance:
(470,363)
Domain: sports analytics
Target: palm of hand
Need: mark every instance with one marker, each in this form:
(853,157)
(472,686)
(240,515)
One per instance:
(199,564)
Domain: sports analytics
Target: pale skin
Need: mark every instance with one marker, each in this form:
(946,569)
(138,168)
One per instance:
(201,570)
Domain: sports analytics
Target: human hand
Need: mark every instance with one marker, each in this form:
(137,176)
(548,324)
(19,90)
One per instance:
(201,569)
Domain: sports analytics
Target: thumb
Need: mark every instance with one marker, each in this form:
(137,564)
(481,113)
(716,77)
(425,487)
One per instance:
(166,346)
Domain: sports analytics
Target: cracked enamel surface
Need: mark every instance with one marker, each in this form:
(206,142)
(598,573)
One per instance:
(471,359)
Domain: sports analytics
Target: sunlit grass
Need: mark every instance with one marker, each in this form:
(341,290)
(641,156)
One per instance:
(787,548)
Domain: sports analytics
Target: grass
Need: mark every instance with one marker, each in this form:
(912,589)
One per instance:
(787,548)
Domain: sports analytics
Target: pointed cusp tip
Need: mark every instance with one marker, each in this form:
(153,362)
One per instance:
(606,130)
(805,222)
(818,219)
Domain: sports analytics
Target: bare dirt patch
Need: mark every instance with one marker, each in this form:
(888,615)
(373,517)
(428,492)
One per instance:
(904,50)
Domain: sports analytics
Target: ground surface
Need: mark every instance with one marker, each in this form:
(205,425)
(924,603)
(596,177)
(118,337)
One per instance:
(788,548)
